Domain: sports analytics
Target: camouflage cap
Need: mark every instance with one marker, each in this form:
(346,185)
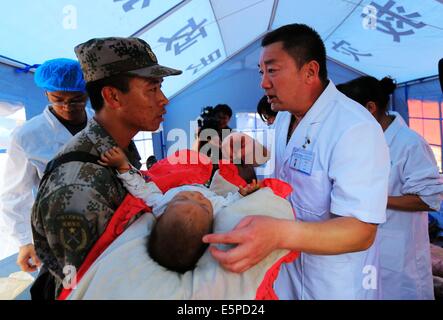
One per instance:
(105,57)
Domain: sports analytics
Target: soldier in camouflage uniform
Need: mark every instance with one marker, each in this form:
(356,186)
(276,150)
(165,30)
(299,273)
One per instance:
(76,202)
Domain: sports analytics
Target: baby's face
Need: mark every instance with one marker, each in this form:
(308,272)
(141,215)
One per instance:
(192,199)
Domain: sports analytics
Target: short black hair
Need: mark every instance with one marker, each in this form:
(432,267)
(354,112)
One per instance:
(223,108)
(302,43)
(177,245)
(367,88)
(264,107)
(94,88)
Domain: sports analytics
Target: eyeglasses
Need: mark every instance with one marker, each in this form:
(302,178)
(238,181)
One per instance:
(76,101)
(68,103)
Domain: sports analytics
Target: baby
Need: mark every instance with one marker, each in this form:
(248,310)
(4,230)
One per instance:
(184,214)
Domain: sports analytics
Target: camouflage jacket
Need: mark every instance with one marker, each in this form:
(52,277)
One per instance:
(74,205)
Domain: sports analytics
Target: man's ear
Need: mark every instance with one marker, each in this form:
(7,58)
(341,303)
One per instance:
(112,97)
(372,107)
(312,69)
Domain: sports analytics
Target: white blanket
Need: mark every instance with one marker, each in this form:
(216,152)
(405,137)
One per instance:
(125,270)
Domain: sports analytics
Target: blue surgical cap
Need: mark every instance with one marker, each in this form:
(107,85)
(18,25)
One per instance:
(60,75)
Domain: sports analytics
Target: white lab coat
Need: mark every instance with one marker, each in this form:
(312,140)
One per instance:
(349,178)
(405,259)
(31,147)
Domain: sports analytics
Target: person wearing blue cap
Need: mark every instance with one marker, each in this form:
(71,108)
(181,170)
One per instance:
(34,144)
(78,197)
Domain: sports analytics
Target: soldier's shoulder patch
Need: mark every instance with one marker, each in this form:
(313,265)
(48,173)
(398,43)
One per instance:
(73,231)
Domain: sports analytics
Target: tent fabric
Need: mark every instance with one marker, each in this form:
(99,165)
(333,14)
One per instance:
(376,37)
(217,43)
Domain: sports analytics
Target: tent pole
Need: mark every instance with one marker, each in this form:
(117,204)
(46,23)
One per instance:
(160,18)
(12,62)
(419,80)
(273,13)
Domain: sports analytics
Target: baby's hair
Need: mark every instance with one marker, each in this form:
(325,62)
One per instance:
(176,240)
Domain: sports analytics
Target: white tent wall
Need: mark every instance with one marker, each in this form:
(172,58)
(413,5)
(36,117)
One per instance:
(236,83)
(20,87)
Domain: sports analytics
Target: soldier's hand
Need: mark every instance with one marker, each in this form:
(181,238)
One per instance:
(27,259)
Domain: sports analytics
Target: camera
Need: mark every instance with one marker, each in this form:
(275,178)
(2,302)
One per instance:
(208,119)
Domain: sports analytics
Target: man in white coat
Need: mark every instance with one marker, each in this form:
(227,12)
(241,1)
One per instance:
(336,159)
(34,144)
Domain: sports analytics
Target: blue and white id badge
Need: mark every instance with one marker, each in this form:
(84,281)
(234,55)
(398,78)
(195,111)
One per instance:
(302,160)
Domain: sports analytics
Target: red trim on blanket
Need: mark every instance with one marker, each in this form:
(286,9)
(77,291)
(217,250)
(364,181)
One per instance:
(183,167)
(279,187)
(266,289)
(229,172)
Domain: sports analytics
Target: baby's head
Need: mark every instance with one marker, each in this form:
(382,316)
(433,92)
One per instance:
(176,238)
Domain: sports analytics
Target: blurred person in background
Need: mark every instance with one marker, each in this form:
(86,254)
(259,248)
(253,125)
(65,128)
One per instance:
(415,187)
(34,144)
(265,111)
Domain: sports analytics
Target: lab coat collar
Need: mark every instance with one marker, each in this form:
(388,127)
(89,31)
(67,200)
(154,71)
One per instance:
(60,132)
(318,111)
(395,127)
(315,115)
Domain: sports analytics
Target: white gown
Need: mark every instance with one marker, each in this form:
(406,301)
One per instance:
(349,178)
(405,261)
(31,147)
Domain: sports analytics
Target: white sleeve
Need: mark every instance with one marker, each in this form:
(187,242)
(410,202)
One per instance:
(359,169)
(19,179)
(421,176)
(138,187)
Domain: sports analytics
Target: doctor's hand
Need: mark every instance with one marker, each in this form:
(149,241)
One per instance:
(27,259)
(256,237)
